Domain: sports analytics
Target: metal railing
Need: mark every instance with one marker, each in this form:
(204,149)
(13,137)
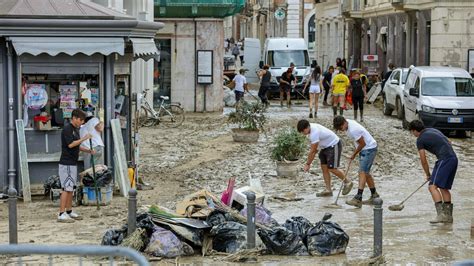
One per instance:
(78,250)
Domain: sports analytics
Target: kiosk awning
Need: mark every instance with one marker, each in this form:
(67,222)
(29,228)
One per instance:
(145,48)
(68,45)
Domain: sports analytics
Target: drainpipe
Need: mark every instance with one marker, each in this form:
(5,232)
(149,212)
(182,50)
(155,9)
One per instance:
(12,193)
(195,65)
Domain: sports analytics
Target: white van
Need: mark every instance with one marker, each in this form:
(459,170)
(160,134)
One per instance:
(279,53)
(442,97)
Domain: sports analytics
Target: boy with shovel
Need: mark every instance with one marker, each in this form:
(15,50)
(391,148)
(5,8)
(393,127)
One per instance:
(366,148)
(329,155)
(442,177)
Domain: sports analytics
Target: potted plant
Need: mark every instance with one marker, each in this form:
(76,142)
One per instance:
(288,147)
(250,120)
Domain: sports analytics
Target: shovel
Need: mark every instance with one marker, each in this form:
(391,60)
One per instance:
(335,205)
(400,206)
(95,178)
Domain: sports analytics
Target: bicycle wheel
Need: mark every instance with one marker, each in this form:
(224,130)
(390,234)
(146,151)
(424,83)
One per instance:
(145,119)
(172,116)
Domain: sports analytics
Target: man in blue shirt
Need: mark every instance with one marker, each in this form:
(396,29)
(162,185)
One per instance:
(442,177)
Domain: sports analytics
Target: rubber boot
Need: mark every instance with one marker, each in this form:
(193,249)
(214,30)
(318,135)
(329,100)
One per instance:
(281,103)
(361,115)
(341,111)
(355,115)
(448,212)
(440,217)
(334,110)
(288,103)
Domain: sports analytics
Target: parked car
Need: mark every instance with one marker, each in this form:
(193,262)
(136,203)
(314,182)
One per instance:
(441,97)
(393,92)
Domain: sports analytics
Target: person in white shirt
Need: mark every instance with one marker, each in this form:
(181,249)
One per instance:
(240,85)
(330,154)
(366,148)
(94,127)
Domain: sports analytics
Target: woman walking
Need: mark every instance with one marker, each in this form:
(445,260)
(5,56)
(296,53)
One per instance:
(265,77)
(359,94)
(314,91)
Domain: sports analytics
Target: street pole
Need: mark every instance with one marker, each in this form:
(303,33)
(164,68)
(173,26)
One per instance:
(132,210)
(12,193)
(378,227)
(250,220)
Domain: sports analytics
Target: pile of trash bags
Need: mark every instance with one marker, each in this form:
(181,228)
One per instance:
(203,224)
(102,174)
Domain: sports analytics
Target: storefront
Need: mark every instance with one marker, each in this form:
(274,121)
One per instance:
(52,65)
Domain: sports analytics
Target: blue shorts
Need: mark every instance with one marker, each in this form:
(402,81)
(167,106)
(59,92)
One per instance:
(444,172)
(238,95)
(366,159)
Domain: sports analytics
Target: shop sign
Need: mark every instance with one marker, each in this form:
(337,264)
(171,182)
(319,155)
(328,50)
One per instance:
(280,14)
(370,58)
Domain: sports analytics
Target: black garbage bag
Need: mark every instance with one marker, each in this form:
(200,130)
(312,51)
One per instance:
(299,225)
(145,221)
(217,217)
(104,178)
(51,182)
(114,237)
(281,241)
(164,243)
(229,237)
(326,238)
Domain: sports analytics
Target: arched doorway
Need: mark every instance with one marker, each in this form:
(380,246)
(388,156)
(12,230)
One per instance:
(310,30)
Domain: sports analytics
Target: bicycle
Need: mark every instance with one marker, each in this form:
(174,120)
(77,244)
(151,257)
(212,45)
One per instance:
(169,115)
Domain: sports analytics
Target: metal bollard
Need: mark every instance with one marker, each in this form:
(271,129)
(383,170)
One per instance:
(378,222)
(132,211)
(250,220)
(12,216)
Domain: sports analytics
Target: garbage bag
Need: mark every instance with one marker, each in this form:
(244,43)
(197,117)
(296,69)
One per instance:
(299,225)
(281,241)
(193,235)
(217,217)
(145,221)
(326,238)
(51,182)
(229,97)
(104,178)
(114,237)
(229,237)
(262,214)
(164,243)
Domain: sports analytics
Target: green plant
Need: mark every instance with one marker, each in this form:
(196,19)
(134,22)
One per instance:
(248,116)
(288,145)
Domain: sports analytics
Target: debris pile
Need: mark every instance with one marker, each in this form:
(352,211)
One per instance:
(203,224)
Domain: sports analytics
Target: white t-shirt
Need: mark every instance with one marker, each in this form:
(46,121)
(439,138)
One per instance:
(239,82)
(89,127)
(356,131)
(324,136)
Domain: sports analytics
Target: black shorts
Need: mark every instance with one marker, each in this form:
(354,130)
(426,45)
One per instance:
(331,155)
(444,172)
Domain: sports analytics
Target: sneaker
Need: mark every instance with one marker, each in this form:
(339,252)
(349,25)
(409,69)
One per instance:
(370,201)
(354,202)
(325,193)
(347,188)
(64,218)
(74,216)
(310,115)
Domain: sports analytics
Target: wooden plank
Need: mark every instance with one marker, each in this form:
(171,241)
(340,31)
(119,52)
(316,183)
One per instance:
(24,171)
(374,92)
(120,158)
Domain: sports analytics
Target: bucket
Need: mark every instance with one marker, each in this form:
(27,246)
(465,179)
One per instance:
(89,196)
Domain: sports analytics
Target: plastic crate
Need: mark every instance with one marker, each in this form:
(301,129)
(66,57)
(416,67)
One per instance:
(89,196)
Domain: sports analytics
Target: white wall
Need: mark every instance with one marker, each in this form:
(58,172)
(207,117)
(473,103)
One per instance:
(329,33)
(293,23)
(209,36)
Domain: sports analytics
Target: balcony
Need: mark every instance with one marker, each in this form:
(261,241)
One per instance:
(197,8)
(350,6)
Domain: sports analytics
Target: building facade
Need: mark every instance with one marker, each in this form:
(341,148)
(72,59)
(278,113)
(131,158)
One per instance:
(407,32)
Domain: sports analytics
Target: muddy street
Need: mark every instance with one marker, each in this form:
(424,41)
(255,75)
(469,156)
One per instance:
(201,154)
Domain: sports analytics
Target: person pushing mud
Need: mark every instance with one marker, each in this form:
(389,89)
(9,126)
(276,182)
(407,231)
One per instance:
(442,177)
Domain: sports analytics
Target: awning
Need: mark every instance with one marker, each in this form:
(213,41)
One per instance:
(68,45)
(145,48)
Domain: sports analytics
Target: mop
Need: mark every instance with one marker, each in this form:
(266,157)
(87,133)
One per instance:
(400,206)
(334,205)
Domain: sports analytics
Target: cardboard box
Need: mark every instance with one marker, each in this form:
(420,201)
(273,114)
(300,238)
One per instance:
(42,126)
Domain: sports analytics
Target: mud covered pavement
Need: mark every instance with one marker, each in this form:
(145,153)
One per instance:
(201,154)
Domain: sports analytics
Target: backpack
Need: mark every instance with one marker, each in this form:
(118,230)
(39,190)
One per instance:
(235,50)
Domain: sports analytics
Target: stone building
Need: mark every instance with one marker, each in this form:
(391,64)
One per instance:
(404,32)
(263,19)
